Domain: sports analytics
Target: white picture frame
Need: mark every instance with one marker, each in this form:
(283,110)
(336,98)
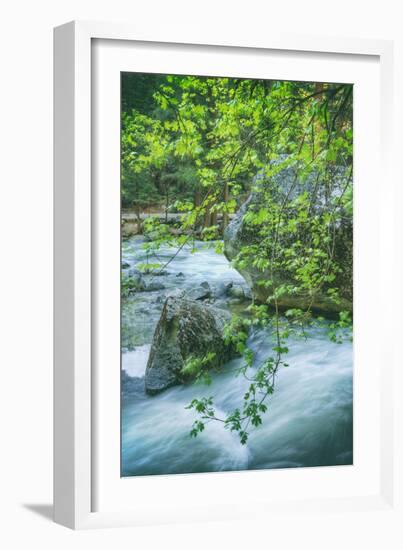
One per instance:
(80,429)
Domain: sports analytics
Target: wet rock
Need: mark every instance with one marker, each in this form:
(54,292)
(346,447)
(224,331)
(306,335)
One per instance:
(176,293)
(151,287)
(129,228)
(221,290)
(202,292)
(134,272)
(239,292)
(180,274)
(188,331)
(134,281)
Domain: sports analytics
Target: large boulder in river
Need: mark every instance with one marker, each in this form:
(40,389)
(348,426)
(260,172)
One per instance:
(239,233)
(188,333)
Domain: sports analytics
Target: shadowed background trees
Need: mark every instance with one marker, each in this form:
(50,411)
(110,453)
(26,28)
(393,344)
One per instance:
(195,143)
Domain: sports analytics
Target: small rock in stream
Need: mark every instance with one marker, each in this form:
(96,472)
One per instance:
(135,281)
(239,292)
(151,287)
(222,289)
(133,272)
(202,292)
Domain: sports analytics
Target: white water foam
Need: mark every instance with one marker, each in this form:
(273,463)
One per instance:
(134,362)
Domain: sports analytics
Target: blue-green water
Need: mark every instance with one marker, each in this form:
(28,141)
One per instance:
(309,420)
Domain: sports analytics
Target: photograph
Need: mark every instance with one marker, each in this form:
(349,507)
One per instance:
(236,274)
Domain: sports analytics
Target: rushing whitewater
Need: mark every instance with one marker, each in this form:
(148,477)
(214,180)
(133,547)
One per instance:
(309,418)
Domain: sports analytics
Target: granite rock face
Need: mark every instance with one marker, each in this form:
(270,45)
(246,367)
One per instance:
(238,234)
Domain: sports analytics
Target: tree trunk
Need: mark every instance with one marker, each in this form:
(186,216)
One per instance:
(225,219)
(138,216)
(166,202)
(214,218)
(207,217)
(197,198)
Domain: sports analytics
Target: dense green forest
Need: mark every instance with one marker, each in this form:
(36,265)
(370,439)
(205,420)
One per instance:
(191,142)
(193,150)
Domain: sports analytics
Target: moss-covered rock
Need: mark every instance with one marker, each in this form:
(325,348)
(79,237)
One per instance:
(189,336)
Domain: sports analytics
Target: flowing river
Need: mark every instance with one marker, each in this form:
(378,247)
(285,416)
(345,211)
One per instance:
(309,418)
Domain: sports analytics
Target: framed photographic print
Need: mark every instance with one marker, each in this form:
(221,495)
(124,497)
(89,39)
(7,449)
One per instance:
(220,265)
